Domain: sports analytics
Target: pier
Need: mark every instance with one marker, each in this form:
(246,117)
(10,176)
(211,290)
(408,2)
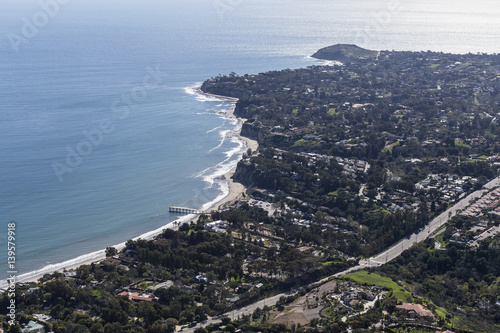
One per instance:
(183,210)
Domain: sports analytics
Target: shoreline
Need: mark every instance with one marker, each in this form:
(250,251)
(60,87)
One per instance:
(235,191)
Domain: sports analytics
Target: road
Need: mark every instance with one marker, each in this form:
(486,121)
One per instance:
(374,261)
(428,231)
(249,309)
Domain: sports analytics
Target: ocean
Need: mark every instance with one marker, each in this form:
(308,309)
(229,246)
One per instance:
(101,128)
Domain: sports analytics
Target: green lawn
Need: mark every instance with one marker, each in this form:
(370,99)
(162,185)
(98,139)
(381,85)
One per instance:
(331,262)
(144,285)
(441,312)
(439,238)
(306,143)
(389,147)
(378,280)
(412,330)
(460,143)
(332,112)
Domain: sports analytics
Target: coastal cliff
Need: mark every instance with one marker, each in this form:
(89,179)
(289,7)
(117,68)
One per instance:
(245,173)
(359,160)
(227,89)
(252,131)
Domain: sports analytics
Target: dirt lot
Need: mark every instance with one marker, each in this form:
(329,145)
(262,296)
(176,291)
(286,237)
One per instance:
(289,318)
(305,308)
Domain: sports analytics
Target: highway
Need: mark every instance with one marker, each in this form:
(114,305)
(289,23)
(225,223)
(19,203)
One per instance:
(249,309)
(378,260)
(429,230)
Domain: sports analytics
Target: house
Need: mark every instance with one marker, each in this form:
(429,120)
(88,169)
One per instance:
(111,261)
(33,290)
(417,311)
(125,257)
(167,284)
(201,278)
(217,226)
(304,249)
(42,317)
(71,274)
(136,297)
(33,327)
(83,312)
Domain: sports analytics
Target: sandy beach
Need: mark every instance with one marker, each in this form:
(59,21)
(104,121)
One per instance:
(235,189)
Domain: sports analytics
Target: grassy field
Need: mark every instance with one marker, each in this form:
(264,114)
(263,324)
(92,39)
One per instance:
(332,112)
(389,147)
(460,143)
(414,330)
(380,281)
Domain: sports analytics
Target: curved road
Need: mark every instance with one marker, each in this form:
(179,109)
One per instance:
(378,260)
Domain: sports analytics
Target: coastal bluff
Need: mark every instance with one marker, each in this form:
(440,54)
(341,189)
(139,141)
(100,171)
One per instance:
(344,52)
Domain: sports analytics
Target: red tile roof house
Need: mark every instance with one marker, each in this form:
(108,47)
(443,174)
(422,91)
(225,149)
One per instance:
(136,297)
(417,311)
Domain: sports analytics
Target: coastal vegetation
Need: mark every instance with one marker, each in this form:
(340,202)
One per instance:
(352,158)
(344,52)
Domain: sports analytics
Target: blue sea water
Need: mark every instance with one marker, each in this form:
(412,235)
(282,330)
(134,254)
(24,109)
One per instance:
(114,82)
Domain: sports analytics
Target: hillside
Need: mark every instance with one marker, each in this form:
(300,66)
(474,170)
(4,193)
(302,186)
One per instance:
(344,52)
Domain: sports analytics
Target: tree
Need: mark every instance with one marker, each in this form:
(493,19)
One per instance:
(111,251)
(172,323)
(83,272)
(200,330)
(159,327)
(112,328)
(97,328)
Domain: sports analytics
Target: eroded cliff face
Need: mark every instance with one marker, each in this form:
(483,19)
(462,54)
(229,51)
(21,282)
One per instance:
(240,111)
(252,131)
(245,173)
(244,109)
(229,89)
